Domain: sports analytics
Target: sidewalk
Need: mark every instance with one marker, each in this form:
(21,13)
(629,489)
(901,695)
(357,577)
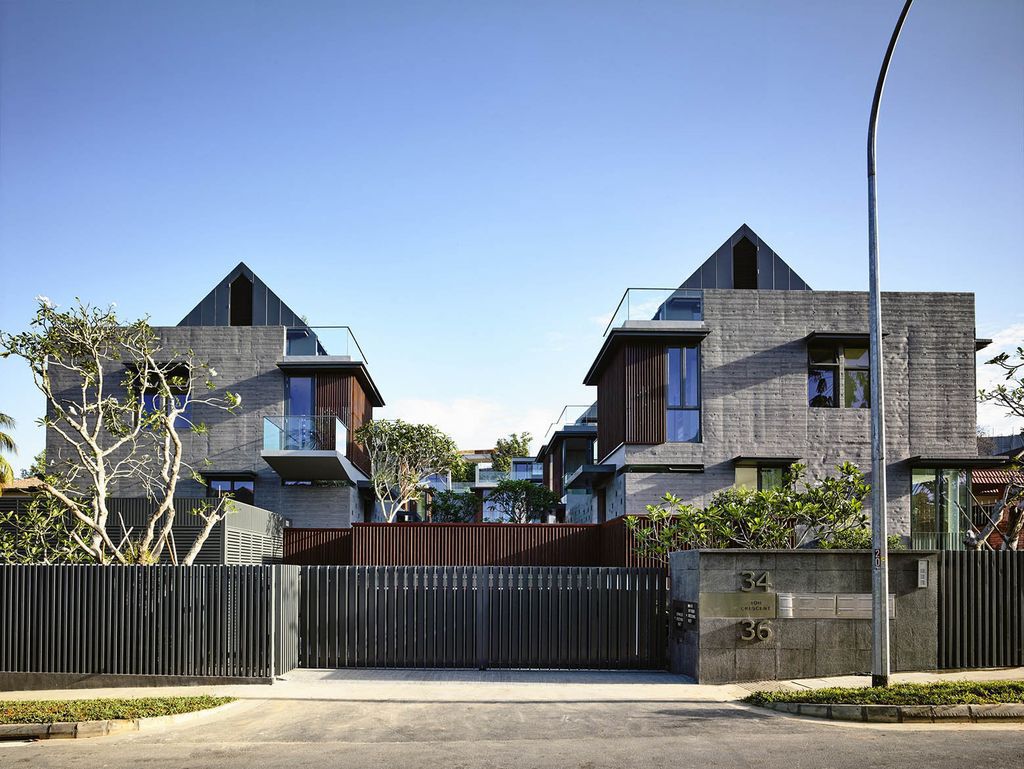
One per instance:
(500,686)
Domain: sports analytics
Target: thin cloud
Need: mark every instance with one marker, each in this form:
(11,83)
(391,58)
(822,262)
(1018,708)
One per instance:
(992,418)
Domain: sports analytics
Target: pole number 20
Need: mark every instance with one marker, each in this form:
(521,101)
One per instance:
(756,631)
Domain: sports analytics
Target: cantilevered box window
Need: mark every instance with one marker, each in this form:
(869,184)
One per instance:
(838,374)
(683,397)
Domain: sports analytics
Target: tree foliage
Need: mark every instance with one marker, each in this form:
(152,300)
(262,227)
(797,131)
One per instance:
(38,467)
(793,515)
(522,501)
(1010,507)
(507,449)
(118,402)
(402,457)
(453,507)
(6,447)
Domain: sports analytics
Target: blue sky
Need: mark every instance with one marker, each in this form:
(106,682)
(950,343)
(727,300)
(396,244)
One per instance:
(472,185)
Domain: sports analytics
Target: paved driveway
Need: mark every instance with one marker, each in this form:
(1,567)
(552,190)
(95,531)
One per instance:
(380,719)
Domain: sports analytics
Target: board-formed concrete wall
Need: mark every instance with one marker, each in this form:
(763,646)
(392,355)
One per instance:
(245,359)
(822,638)
(754,394)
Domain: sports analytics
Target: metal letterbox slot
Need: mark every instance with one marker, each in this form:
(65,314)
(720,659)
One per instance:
(807,605)
(858,606)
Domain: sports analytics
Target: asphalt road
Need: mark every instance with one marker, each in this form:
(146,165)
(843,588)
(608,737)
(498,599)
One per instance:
(294,733)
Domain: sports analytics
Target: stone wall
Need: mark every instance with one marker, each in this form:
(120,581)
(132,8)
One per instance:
(823,637)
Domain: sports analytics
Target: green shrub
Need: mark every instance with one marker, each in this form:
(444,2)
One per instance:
(58,711)
(857,539)
(944,693)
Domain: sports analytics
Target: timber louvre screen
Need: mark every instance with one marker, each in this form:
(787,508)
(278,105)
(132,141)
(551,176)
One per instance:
(487,616)
(138,620)
(981,610)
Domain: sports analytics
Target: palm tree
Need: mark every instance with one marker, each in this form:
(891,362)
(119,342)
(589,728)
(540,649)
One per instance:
(6,445)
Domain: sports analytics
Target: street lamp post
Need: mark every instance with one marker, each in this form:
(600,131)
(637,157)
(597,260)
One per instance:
(879,527)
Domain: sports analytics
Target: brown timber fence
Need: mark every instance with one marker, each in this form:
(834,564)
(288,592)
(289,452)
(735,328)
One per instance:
(465,544)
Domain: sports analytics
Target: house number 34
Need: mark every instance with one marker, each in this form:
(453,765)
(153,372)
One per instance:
(751,581)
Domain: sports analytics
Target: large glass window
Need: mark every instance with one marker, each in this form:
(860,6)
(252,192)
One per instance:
(838,374)
(683,397)
(299,396)
(939,508)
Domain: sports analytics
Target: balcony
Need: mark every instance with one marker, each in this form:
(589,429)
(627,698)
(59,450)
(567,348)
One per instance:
(655,307)
(323,342)
(573,416)
(308,448)
(489,477)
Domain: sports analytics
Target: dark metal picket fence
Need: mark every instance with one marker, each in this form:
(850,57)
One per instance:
(981,609)
(143,620)
(459,616)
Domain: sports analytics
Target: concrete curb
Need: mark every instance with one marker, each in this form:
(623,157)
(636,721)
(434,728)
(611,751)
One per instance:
(81,729)
(903,714)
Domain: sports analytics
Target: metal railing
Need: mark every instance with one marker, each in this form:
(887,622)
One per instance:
(335,341)
(657,304)
(304,433)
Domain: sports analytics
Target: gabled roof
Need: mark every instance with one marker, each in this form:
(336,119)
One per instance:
(267,307)
(772,272)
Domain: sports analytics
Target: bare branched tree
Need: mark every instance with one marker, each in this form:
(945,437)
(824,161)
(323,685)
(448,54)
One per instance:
(118,402)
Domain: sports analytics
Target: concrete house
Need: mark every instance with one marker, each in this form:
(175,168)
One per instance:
(305,391)
(744,369)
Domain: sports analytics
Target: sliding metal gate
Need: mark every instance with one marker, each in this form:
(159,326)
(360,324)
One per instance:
(489,616)
(981,609)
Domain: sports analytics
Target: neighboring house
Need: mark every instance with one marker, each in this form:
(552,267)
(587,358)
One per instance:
(21,488)
(743,369)
(569,444)
(305,390)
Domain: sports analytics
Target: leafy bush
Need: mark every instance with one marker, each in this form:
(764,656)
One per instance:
(59,711)
(453,507)
(858,539)
(789,516)
(944,693)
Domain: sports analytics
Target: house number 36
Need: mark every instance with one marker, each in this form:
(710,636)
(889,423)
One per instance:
(756,631)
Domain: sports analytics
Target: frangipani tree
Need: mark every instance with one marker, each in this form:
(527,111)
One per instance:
(402,457)
(119,403)
(794,515)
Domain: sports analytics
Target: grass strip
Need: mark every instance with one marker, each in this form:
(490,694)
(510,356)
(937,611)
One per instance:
(57,711)
(944,693)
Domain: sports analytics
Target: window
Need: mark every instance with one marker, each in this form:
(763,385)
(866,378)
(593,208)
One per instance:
(299,396)
(940,508)
(153,402)
(237,488)
(838,374)
(753,477)
(682,424)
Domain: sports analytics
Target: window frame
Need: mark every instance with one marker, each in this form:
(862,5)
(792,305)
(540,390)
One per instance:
(839,369)
(232,479)
(669,408)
